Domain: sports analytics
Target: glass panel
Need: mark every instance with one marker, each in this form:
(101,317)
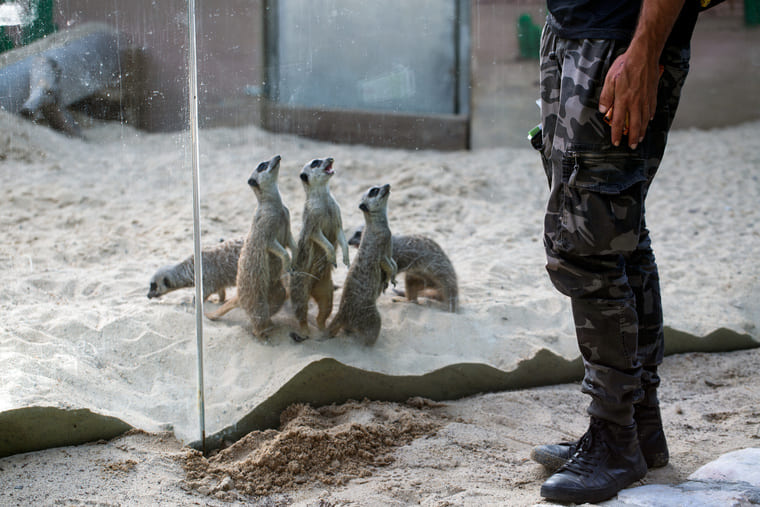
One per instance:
(96,196)
(332,70)
(353,79)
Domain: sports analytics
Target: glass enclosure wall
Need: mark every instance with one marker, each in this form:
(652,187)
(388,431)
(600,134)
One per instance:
(355,82)
(378,57)
(343,76)
(96,187)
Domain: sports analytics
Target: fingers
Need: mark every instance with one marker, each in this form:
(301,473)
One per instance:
(638,123)
(628,117)
(628,100)
(617,123)
(610,103)
(608,94)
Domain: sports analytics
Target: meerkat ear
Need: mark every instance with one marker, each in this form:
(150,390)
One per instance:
(167,283)
(305,178)
(364,207)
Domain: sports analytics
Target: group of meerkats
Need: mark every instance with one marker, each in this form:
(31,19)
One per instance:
(259,265)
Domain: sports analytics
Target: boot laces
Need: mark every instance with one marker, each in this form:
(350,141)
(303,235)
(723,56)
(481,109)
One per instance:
(584,461)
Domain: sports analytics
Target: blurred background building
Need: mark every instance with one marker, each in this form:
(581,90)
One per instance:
(446,74)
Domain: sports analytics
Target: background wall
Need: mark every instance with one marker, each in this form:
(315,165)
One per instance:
(721,89)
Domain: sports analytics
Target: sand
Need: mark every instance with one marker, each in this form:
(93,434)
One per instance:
(87,223)
(472,451)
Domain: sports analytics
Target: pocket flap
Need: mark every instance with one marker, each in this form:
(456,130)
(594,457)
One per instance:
(604,173)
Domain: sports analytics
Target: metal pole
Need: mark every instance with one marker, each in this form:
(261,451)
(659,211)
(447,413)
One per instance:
(193,99)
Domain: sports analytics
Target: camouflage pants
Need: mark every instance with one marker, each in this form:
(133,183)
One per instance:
(597,244)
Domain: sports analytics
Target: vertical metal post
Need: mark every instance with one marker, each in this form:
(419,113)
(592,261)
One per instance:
(193,102)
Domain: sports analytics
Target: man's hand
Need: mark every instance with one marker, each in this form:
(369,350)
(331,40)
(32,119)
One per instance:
(629,96)
(629,93)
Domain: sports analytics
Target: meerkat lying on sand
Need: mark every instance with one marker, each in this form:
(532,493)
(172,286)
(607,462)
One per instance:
(321,233)
(219,272)
(370,272)
(263,258)
(429,271)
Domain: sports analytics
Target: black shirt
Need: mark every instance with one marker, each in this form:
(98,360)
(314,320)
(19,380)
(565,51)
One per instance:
(610,19)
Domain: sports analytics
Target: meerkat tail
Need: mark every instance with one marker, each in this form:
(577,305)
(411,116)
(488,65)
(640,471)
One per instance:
(228,305)
(335,325)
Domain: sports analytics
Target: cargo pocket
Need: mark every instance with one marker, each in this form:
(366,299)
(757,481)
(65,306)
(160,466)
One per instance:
(601,203)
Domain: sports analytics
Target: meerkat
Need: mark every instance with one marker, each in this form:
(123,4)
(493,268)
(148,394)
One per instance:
(219,272)
(428,270)
(316,256)
(263,258)
(369,274)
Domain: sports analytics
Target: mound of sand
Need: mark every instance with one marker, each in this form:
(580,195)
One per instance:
(329,445)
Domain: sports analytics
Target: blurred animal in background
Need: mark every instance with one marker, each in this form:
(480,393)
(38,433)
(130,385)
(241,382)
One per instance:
(44,102)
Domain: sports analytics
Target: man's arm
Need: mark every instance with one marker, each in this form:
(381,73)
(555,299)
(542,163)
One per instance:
(630,88)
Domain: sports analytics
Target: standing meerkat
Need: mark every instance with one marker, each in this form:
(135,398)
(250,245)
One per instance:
(263,258)
(370,271)
(219,271)
(429,271)
(316,255)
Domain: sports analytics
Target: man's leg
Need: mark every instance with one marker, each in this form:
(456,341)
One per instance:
(593,221)
(640,268)
(641,272)
(644,280)
(592,224)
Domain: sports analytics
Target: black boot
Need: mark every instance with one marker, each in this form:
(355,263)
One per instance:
(650,434)
(608,459)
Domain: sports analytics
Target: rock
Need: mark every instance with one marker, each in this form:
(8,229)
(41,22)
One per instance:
(731,480)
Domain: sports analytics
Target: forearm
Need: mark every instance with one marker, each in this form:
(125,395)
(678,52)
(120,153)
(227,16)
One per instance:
(656,21)
(629,95)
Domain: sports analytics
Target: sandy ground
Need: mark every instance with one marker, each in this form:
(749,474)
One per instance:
(472,451)
(86,223)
